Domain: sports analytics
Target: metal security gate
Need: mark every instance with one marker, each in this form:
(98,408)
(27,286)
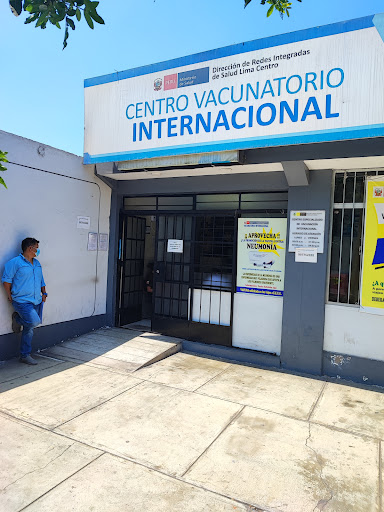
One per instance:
(195,251)
(130,269)
(172,276)
(192,292)
(211,292)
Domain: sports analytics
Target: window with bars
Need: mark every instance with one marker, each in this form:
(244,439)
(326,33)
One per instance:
(347,236)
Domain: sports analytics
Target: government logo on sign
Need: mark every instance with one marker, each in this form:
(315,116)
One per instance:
(157,84)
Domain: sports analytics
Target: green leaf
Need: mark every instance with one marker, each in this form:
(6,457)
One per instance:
(41,21)
(31,18)
(88,19)
(16,6)
(2,182)
(70,23)
(66,35)
(270,10)
(78,14)
(96,17)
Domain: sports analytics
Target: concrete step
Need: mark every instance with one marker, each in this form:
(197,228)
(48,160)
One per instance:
(119,349)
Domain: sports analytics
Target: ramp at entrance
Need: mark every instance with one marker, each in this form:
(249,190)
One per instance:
(119,349)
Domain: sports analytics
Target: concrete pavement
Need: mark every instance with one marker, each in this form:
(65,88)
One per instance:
(98,432)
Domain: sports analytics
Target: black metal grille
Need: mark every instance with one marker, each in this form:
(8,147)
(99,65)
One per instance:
(133,260)
(213,269)
(173,269)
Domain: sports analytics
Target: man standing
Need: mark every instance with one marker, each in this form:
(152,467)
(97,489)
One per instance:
(24,283)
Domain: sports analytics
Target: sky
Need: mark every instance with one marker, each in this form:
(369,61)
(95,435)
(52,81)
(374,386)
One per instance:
(42,86)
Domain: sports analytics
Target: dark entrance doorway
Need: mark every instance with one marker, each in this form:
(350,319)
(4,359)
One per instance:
(135,269)
(194,249)
(192,294)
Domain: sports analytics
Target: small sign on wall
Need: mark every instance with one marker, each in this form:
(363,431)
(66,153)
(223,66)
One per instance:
(306,230)
(92,241)
(306,255)
(83,222)
(175,246)
(103,241)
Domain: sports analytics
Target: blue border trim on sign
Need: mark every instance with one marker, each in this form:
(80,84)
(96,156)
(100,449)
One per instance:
(357,132)
(236,49)
(260,291)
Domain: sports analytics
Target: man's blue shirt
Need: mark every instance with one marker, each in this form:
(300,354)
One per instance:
(26,279)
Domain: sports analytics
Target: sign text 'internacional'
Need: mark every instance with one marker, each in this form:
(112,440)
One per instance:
(307,88)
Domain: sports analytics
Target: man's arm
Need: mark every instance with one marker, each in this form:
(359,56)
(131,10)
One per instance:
(7,287)
(44,293)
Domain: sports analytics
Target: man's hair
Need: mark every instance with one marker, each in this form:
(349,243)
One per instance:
(27,242)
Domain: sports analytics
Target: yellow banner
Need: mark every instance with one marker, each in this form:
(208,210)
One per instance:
(372,284)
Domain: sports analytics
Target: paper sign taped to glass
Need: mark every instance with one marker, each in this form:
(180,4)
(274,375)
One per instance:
(372,283)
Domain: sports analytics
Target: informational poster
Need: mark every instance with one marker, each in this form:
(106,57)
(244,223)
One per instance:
(306,230)
(261,249)
(372,285)
(92,241)
(103,241)
(175,246)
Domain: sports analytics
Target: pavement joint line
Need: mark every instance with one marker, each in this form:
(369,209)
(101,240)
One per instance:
(325,425)
(59,483)
(23,421)
(153,469)
(36,423)
(35,371)
(214,377)
(95,406)
(123,457)
(98,355)
(381,476)
(39,354)
(314,405)
(87,339)
(345,431)
(230,422)
(331,427)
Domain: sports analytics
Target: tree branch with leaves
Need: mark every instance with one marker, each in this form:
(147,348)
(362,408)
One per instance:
(281,6)
(57,11)
(3,158)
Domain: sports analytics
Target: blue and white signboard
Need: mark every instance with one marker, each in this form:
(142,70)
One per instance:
(321,84)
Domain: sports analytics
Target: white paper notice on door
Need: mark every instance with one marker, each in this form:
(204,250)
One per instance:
(175,246)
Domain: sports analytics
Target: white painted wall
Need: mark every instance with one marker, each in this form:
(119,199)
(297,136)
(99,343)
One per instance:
(45,205)
(257,322)
(349,331)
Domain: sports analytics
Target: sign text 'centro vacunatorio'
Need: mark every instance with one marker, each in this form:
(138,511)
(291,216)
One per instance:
(296,88)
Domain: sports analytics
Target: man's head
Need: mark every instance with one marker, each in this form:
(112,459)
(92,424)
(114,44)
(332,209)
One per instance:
(29,246)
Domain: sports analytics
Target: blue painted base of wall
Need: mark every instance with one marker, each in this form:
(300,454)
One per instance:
(49,335)
(356,369)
